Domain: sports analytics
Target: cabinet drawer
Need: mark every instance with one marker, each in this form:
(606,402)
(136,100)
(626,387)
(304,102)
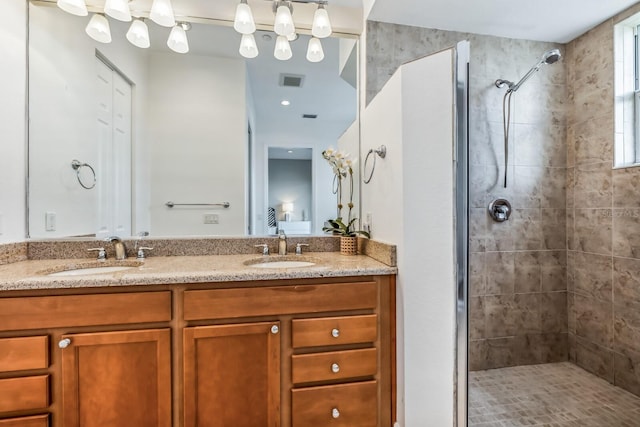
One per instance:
(20,354)
(346,405)
(334,365)
(21,394)
(84,310)
(334,330)
(278,300)
(35,421)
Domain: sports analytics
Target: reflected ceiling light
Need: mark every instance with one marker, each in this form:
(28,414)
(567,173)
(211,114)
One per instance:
(285,102)
(178,41)
(284,25)
(162,13)
(244,23)
(118,9)
(138,34)
(98,28)
(315,53)
(283,49)
(321,24)
(248,46)
(292,37)
(74,7)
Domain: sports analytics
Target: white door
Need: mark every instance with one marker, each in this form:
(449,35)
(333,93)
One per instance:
(113,170)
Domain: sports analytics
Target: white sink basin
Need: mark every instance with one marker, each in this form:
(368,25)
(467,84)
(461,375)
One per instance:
(90,270)
(283,264)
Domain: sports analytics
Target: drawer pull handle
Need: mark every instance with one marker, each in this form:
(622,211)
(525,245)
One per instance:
(335,413)
(335,333)
(64,343)
(335,368)
(275,329)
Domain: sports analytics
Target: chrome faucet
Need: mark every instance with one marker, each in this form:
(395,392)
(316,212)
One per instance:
(118,246)
(282,243)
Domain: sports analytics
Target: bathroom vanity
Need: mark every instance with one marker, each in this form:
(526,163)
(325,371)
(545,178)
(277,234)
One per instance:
(199,341)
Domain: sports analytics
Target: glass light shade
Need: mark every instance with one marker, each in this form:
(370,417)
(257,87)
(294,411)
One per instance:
(284,22)
(315,53)
(74,7)
(178,41)
(98,29)
(138,34)
(244,23)
(292,37)
(118,9)
(283,49)
(162,13)
(248,46)
(321,25)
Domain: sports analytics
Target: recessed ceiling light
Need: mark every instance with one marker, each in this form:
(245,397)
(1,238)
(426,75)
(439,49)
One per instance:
(285,102)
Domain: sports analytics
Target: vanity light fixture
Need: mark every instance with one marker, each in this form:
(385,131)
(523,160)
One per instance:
(118,9)
(178,41)
(321,24)
(284,25)
(74,7)
(138,34)
(283,49)
(315,53)
(98,28)
(244,23)
(248,46)
(292,37)
(162,13)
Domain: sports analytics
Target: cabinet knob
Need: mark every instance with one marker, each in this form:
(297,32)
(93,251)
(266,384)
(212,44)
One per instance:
(335,413)
(64,343)
(275,329)
(335,368)
(335,333)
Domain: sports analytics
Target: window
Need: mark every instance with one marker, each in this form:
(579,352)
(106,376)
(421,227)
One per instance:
(627,92)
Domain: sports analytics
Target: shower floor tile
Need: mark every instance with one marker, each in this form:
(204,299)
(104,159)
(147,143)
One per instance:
(553,395)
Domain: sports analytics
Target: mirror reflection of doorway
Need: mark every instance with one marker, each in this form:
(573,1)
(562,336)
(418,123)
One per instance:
(290,190)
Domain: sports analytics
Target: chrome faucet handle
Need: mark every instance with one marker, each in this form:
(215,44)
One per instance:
(141,254)
(141,235)
(299,248)
(265,248)
(102,254)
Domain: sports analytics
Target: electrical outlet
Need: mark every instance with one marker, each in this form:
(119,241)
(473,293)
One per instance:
(50,221)
(211,219)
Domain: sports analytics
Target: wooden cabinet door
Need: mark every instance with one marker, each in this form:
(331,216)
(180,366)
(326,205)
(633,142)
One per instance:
(232,375)
(117,379)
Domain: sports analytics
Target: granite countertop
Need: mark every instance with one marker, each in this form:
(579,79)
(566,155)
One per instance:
(32,274)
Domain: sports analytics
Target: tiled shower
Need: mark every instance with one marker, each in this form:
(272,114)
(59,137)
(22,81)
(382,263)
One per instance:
(560,280)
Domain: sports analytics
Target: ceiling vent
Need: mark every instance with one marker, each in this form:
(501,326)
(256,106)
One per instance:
(291,80)
(309,116)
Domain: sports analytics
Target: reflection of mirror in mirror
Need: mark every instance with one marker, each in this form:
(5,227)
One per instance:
(192,129)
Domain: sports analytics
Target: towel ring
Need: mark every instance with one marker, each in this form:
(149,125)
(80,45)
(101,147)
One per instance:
(382,153)
(76,165)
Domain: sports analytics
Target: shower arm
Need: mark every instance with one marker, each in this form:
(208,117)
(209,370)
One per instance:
(526,77)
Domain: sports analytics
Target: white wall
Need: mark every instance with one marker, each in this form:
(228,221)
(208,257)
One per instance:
(290,182)
(198,125)
(63,113)
(12,125)
(411,201)
(349,143)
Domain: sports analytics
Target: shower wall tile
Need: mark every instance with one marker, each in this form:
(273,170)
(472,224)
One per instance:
(626,233)
(477,273)
(627,371)
(554,348)
(571,183)
(626,280)
(500,316)
(527,229)
(554,228)
(500,271)
(553,312)
(594,320)
(626,327)
(592,230)
(585,103)
(592,140)
(527,313)
(626,188)
(594,358)
(593,185)
(477,318)
(570,145)
(571,234)
(527,272)
(478,226)
(592,276)
(553,270)
(539,146)
(571,313)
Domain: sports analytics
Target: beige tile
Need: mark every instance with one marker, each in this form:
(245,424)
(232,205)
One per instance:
(626,188)
(527,316)
(553,312)
(476,318)
(592,230)
(626,327)
(554,347)
(571,313)
(626,280)
(478,354)
(592,275)
(500,271)
(527,272)
(500,316)
(554,228)
(594,138)
(594,320)
(626,233)
(553,270)
(477,274)
(627,372)
(527,229)
(594,358)
(593,186)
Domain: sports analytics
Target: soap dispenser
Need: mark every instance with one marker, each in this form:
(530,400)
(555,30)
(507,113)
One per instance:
(282,243)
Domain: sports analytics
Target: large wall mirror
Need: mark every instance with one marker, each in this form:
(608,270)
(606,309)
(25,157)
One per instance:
(117,132)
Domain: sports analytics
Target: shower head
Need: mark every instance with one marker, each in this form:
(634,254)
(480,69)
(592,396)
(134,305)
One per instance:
(550,57)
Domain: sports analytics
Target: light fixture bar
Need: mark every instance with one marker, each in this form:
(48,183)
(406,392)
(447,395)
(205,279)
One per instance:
(321,27)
